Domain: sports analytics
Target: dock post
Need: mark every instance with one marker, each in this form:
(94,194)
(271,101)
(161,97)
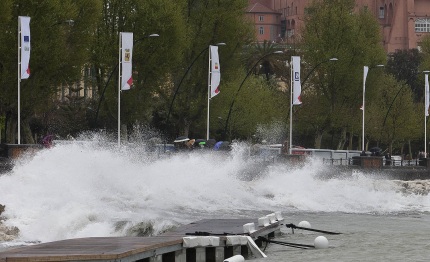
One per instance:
(156,258)
(180,256)
(219,254)
(200,254)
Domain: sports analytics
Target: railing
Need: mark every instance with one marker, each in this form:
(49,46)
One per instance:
(391,162)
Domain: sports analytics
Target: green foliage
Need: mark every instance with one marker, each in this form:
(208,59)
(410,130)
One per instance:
(393,116)
(335,88)
(258,103)
(404,65)
(207,23)
(59,52)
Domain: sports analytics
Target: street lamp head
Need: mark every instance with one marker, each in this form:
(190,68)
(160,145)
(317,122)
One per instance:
(218,44)
(278,52)
(333,59)
(70,22)
(380,65)
(153,35)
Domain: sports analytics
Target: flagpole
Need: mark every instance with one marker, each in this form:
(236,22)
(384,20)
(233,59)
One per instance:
(119,90)
(426,105)
(291,107)
(209,93)
(19,81)
(364,104)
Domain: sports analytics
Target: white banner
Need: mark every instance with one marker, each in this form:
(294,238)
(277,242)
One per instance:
(24,27)
(297,86)
(126,60)
(215,71)
(365,71)
(427,99)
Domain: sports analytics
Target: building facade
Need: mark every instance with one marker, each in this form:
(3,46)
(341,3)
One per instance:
(403,23)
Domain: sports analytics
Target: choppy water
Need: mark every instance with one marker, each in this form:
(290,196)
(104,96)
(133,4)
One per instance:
(87,189)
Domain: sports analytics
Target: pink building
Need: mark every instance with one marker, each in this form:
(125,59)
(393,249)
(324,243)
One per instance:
(403,23)
(267,21)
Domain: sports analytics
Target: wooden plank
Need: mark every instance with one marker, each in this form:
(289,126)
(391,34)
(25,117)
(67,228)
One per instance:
(112,248)
(94,248)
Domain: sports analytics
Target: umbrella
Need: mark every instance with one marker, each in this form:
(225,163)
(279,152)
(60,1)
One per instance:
(181,139)
(375,149)
(200,141)
(210,143)
(217,145)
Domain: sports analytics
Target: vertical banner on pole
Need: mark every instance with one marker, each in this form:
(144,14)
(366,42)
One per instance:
(427,95)
(295,92)
(214,78)
(126,60)
(297,86)
(215,71)
(23,60)
(365,71)
(24,22)
(125,73)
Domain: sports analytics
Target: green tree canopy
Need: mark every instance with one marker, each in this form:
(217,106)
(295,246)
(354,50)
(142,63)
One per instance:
(334,30)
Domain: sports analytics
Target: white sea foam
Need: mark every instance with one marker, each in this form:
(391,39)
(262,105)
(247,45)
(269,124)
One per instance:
(83,189)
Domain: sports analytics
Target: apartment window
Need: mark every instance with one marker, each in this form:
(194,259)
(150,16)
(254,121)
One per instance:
(381,12)
(261,18)
(422,25)
(261,30)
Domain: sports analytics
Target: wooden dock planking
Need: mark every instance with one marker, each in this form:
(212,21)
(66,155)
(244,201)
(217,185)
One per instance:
(128,248)
(93,248)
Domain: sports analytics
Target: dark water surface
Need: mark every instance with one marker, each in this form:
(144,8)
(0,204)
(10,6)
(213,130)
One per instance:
(366,237)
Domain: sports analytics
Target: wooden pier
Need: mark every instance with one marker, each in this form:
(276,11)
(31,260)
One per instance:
(168,247)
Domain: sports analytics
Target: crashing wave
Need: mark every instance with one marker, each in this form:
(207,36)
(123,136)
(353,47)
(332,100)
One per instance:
(416,187)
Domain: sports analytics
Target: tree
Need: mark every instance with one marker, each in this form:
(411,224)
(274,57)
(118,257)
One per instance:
(58,52)
(334,30)
(207,23)
(404,66)
(394,116)
(258,103)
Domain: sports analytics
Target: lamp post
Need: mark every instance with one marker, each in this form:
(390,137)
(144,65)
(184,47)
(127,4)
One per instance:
(317,65)
(182,79)
(365,71)
(241,84)
(70,22)
(291,95)
(111,74)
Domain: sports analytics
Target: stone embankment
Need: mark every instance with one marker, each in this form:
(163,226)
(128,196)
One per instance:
(416,187)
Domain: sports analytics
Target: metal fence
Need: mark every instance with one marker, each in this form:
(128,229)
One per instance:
(386,162)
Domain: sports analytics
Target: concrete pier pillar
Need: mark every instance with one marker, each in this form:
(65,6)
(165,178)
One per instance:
(180,256)
(157,258)
(200,254)
(219,254)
